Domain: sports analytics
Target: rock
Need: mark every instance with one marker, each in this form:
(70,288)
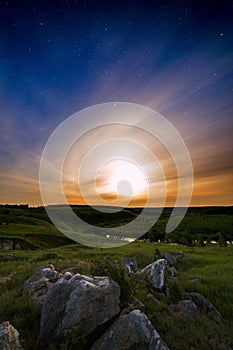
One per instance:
(39,284)
(4,279)
(170,257)
(8,256)
(79,304)
(10,244)
(155,274)
(195,279)
(173,271)
(130,264)
(223,346)
(6,244)
(188,310)
(173,308)
(71,269)
(203,304)
(180,255)
(9,337)
(67,275)
(132,331)
(46,271)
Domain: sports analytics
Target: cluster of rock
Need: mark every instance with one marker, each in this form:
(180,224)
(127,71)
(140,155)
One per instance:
(90,307)
(156,272)
(10,244)
(39,284)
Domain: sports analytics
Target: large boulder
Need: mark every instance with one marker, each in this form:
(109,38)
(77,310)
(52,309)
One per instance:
(130,264)
(9,337)
(203,304)
(155,274)
(79,304)
(39,284)
(132,331)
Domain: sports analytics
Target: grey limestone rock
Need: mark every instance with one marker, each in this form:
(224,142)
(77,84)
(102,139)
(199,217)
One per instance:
(132,331)
(155,273)
(79,304)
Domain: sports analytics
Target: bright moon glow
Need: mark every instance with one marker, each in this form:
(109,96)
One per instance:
(123,178)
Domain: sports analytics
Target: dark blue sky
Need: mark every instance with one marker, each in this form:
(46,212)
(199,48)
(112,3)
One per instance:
(58,57)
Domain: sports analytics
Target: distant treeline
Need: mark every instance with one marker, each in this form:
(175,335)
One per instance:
(15,206)
(209,210)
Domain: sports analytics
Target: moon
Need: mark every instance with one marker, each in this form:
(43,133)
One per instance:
(124,178)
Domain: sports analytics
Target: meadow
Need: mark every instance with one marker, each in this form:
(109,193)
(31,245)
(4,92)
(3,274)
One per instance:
(204,269)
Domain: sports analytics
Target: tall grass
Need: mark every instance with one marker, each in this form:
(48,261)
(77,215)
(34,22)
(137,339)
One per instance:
(207,270)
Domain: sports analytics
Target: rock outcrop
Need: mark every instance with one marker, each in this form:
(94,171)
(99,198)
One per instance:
(14,244)
(9,337)
(79,304)
(132,331)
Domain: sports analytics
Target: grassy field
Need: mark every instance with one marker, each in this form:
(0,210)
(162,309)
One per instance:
(31,227)
(208,270)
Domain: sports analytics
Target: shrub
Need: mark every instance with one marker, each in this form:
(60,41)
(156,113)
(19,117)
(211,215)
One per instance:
(71,341)
(47,256)
(157,254)
(117,272)
(174,291)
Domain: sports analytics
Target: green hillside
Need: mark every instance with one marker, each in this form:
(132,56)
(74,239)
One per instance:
(32,228)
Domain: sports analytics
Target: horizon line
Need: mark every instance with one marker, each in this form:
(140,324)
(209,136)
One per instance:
(113,206)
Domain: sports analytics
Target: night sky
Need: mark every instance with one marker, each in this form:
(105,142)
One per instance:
(58,57)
